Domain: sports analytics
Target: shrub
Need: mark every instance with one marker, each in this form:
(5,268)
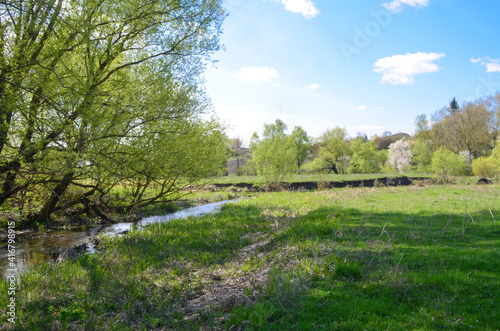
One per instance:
(274,156)
(365,159)
(400,155)
(422,154)
(447,164)
(317,165)
(485,167)
(248,170)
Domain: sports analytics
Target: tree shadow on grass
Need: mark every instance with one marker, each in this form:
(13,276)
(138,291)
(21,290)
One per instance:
(417,270)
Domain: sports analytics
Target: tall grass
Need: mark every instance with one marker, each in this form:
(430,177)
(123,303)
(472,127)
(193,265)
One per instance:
(368,258)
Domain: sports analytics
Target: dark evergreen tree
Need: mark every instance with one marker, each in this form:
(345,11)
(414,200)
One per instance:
(454,107)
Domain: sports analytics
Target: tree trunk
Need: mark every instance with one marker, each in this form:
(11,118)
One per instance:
(8,187)
(333,168)
(57,193)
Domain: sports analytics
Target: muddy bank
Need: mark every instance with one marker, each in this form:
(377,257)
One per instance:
(384,181)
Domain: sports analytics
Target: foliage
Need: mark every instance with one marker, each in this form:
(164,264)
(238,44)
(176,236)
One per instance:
(236,144)
(485,167)
(302,144)
(493,104)
(447,164)
(386,140)
(247,170)
(317,165)
(94,91)
(466,128)
(422,127)
(454,107)
(422,154)
(275,155)
(488,166)
(400,155)
(334,150)
(365,157)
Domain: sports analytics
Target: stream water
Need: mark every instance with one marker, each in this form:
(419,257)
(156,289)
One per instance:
(35,248)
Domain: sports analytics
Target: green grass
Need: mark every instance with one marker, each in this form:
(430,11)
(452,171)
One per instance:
(393,258)
(233,179)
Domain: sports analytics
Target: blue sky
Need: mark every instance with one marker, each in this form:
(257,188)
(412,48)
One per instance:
(368,66)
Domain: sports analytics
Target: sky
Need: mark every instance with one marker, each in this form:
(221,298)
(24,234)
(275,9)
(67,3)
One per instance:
(366,66)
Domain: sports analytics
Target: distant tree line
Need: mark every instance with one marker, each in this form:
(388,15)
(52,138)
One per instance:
(277,154)
(458,135)
(458,140)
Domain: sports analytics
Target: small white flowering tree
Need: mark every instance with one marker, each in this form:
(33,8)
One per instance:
(400,155)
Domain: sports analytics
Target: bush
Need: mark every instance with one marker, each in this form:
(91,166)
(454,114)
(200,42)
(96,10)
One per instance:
(317,165)
(447,164)
(485,167)
(248,170)
(422,154)
(365,159)
(400,156)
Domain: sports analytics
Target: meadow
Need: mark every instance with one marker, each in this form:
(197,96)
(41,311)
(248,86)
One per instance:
(394,258)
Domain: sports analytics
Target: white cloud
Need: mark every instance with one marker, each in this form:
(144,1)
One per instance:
(313,86)
(362,107)
(400,69)
(397,5)
(304,7)
(380,108)
(257,74)
(492,65)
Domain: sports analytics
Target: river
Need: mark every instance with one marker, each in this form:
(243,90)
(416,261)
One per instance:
(34,248)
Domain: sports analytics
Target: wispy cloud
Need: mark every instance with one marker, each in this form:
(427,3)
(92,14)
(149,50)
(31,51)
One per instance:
(304,7)
(400,69)
(313,86)
(257,74)
(397,5)
(492,65)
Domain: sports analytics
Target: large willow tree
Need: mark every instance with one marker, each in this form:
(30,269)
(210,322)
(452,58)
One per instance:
(96,93)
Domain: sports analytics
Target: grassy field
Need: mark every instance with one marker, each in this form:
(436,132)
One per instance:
(392,258)
(313,177)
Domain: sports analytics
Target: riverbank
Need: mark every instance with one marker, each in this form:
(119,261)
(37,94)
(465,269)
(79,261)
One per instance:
(223,188)
(414,257)
(34,248)
(65,222)
(324,184)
